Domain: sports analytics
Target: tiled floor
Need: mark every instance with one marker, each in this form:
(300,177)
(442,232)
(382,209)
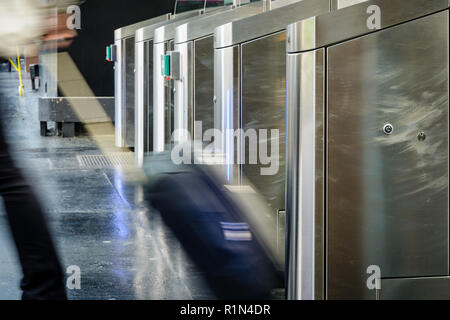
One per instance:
(97,216)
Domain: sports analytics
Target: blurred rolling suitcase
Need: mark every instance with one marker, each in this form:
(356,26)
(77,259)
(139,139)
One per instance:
(214,232)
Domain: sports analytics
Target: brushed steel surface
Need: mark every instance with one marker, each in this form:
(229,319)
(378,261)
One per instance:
(125,81)
(145,86)
(340,4)
(275,4)
(197,85)
(351,22)
(305,175)
(147,33)
(281,237)
(203,95)
(263,102)
(183,104)
(226,107)
(437,288)
(124,92)
(262,68)
(128,112)
(163,100)
(388,194)
(169,96)
(118,67)
(167,32)
(263,107)
(130,30)
(139,103)
(159,49)
(204,26)
(143,100)
(163,90)
(266,23)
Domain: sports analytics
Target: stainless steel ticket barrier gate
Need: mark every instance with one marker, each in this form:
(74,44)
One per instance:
(166,66)
(124,39)
(250,94)
(367,152)
(194,41)
(143,111)
(194,89)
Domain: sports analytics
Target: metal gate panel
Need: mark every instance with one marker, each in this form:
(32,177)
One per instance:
(388,156)
(263,108)
(203,86)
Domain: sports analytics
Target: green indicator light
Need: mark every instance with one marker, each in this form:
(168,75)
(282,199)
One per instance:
(167,65)
(108,53)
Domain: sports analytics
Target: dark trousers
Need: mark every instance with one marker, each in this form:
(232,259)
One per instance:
(42,274)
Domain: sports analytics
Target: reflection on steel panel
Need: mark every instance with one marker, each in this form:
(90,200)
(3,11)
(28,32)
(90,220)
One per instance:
(351,22)
(226,108)
(263,108)
(125,80)
(261,25)
(183,103)
(169,86)
(148,97)
(203,86)
(163,99)
(388,156)
(128,120)
(149,100)
(118,67)
(415,289)
(124,91)
(143,100)
(140,96)
(305,175)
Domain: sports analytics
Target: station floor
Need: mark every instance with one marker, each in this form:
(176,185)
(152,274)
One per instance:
(96,214)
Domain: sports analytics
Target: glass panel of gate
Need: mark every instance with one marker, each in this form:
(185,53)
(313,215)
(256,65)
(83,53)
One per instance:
(188,5)
(217,3)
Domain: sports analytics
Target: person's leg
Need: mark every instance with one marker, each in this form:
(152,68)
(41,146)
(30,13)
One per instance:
(42,273)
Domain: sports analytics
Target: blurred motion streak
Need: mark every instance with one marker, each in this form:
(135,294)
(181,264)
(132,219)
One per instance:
(227,230)
(84,111)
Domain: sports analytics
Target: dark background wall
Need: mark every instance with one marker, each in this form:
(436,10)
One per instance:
(99,19)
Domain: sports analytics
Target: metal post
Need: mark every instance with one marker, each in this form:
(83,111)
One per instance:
(304,170)
(300,181)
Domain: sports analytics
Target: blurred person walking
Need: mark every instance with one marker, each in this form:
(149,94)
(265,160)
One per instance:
(23,22)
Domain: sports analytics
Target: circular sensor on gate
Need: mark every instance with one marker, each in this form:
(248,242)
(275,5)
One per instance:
(388,129)
(421,136)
